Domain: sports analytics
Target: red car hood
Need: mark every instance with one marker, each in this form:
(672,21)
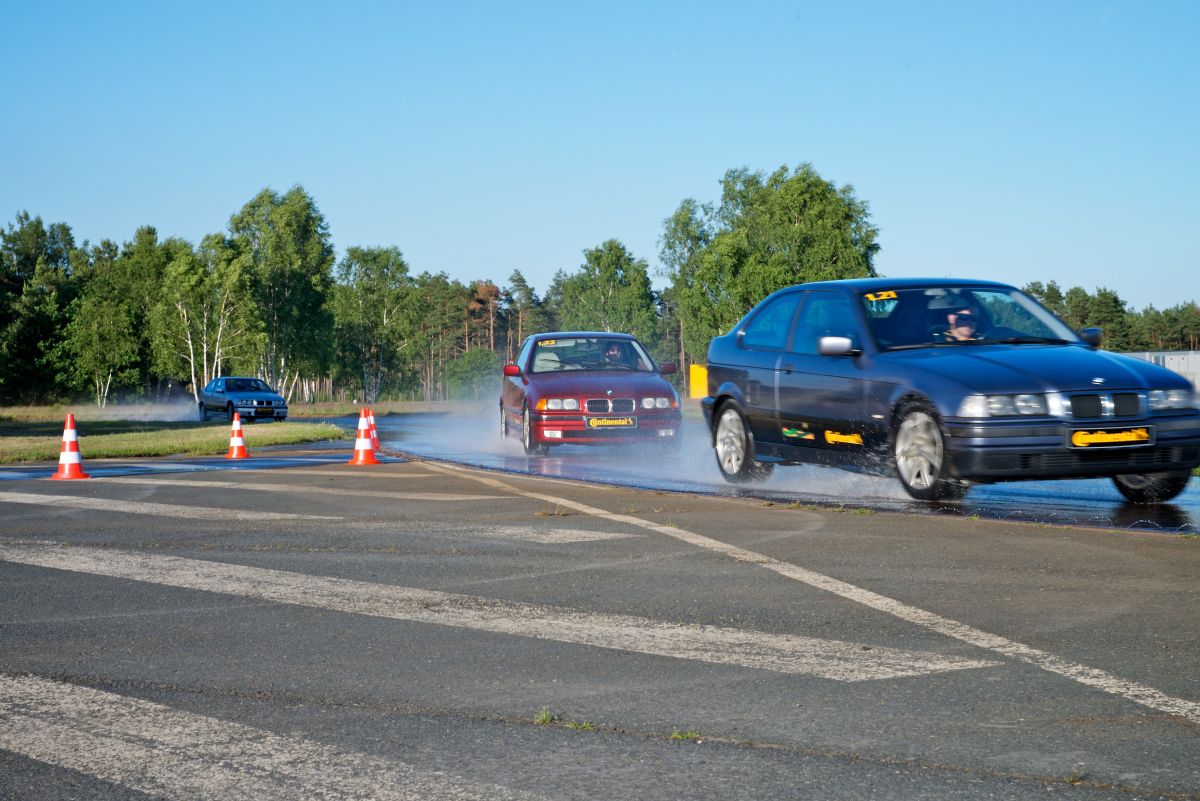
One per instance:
(597,383)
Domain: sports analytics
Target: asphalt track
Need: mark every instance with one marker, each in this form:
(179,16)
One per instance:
(475,441)
(187,628)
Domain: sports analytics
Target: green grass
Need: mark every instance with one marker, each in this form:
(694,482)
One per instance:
(41,440)
(690,734)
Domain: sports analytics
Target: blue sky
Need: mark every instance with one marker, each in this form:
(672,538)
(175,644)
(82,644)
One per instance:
(1012,140)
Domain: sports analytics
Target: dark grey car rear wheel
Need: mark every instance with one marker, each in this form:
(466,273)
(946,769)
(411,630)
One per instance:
(1143,488)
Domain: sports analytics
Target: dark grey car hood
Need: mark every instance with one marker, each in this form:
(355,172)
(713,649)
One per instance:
(1034,368)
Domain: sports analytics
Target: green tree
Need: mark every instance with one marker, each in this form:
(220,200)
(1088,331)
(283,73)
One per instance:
(524,310)
(375,316)
(611,292)
(475,375)
(769,231)
(283,245)
(1049,295)
(202,322)
(37,288)
(101,338)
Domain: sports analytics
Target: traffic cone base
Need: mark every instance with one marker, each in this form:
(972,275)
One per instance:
(364,448)
(237,443)
(70,462)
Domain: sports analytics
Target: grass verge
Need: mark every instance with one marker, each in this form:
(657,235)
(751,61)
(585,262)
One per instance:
(105,439)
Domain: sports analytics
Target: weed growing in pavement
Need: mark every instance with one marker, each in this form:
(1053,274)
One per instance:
(1075,777)
(581,726)
(864,511)
(545,717)
(557,512)
(690,734)
(808,507)
(972,518)
(768,503)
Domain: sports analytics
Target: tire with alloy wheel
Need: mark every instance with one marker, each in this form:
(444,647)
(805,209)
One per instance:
(919,455)
(1143,488)
(532,446)
(731,443)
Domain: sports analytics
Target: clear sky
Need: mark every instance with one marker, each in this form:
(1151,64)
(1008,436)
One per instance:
(1011,140)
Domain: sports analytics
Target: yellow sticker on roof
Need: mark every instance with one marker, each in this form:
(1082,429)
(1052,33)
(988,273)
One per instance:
(887,294)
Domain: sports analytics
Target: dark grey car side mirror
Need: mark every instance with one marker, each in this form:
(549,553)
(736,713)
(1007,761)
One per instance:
(1092,336)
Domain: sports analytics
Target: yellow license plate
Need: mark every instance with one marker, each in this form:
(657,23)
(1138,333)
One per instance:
(1112,437)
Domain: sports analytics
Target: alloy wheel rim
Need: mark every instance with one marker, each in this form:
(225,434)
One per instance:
(919,451)
(731,443)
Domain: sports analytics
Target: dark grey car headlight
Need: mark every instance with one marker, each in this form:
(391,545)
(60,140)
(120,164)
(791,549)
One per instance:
(1003,405)
(1161,399)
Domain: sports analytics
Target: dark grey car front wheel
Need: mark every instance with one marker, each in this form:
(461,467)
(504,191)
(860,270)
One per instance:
(733,448)
(1143,488)
(919,454)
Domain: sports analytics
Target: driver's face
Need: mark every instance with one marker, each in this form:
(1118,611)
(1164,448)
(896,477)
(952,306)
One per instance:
(963,323)
(612,352)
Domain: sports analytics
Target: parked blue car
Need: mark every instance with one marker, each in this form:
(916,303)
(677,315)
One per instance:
(251,398)
(942,383)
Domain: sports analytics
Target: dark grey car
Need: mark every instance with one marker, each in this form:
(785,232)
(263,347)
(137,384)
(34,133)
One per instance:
(251,398)
(942,383)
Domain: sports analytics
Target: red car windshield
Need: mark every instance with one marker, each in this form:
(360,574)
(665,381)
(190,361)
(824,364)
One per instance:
(589,353)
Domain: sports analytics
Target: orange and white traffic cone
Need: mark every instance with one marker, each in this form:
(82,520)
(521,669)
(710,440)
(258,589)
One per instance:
(374,433)
(364,449)
(237,443)
(70,462)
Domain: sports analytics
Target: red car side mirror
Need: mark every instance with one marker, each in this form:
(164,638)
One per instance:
(512,371)
(668,368)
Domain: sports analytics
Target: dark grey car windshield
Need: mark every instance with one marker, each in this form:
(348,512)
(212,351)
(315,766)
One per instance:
(246,385)
(952,316)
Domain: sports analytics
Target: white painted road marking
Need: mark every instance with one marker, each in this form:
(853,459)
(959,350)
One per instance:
(829,659)
(305,490)
(1088,676)
(167,753)
(147,508)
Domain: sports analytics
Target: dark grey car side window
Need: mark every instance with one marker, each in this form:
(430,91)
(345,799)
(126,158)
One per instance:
(768,330)
(826,314)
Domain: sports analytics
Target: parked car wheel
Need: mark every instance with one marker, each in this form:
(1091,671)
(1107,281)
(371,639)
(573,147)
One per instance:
(731,443)
(1143,488)
(532,447)
(919,454)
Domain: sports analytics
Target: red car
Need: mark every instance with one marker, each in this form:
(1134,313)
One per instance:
(587,388)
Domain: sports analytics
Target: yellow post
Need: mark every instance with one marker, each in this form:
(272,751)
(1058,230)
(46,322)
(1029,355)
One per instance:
(697,381)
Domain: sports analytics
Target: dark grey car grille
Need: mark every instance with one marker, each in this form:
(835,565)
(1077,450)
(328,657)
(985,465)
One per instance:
(623,405)
(597,405)
(1086,406)
(1127,404)
(1118,404)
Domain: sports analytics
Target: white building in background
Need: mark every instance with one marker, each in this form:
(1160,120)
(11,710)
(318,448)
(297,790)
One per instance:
(1184,362)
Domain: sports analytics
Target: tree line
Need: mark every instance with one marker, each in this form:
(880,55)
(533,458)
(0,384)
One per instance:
(151,318)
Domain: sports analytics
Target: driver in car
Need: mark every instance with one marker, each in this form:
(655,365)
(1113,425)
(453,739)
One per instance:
(964,325)
(614,355)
